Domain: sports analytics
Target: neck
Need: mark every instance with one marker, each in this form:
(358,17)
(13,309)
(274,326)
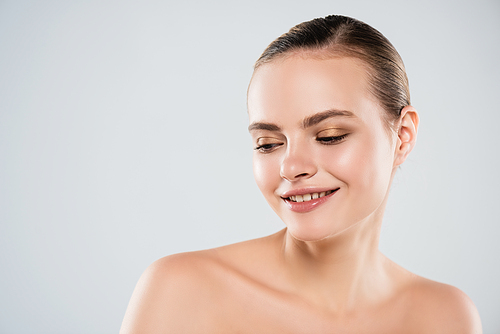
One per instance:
(341,271)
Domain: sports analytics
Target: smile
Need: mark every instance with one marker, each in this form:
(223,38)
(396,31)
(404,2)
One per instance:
(308,202)
(308,197)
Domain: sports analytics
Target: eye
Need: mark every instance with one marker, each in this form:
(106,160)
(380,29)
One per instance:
(331,140)
(267,148)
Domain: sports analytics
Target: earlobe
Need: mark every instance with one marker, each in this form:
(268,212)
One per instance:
(407,134)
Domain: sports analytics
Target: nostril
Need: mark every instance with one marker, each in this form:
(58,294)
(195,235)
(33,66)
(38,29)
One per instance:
(297,166)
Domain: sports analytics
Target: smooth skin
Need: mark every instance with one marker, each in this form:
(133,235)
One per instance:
(314,126)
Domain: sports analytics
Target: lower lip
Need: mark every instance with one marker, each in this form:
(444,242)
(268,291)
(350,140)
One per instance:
(309,205)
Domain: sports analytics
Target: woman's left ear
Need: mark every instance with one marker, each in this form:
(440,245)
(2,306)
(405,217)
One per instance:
(407,134)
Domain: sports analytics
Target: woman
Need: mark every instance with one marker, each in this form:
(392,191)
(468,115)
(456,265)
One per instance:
(331,121)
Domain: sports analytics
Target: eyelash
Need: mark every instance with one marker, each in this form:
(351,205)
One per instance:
(266,148)
(332,140)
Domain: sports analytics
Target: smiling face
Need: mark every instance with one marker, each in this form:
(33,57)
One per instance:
(323,157)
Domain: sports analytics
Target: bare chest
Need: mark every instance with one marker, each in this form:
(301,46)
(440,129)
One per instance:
(249,310)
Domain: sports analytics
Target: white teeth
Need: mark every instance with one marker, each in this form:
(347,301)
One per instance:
(308,197)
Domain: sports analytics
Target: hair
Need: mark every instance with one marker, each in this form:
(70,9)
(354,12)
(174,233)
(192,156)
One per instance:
(343,36)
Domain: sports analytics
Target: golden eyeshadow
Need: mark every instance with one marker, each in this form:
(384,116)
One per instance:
(333,132)
(267,140)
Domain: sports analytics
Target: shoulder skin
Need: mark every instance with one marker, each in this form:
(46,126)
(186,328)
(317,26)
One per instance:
(441,308)
(172,296)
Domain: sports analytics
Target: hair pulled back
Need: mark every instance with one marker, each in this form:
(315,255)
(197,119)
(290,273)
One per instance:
(337,35)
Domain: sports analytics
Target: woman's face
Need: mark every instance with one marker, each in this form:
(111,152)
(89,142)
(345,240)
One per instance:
(323,156)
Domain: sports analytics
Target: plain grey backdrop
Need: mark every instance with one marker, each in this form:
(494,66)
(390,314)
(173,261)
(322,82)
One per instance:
(123,139)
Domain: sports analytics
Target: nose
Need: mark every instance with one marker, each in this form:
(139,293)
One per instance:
(297,164)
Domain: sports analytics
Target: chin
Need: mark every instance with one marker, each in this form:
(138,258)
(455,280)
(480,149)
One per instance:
(309,232)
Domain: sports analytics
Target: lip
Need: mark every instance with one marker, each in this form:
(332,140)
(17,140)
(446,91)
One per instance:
(303,191)
(309,205)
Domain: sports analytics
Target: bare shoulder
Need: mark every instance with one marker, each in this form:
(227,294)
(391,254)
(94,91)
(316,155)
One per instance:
(441,308)
(178,288)
(169,291)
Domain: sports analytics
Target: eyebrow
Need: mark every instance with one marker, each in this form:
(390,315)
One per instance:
(321,116)
(263,126)
(306,123)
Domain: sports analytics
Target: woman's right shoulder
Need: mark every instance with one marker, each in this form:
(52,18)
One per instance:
(193,267)
(178,288)
(171,291)
(177,268)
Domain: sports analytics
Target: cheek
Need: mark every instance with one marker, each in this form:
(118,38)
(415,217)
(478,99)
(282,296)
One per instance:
(266,173)
(364,164)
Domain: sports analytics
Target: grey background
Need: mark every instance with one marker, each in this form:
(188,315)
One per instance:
(123,139)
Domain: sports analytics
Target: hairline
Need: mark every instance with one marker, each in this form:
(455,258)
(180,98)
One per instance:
(332,51)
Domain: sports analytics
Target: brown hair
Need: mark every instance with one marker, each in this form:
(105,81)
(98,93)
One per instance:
(344,36)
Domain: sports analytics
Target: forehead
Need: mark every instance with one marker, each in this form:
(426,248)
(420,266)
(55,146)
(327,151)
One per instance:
(299,86)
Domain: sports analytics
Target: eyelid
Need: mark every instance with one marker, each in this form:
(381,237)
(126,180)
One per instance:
(264,149)
(332,132)
(331,136)
(267,140)
(267,144)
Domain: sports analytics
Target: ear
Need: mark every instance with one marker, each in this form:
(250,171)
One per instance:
(407,134)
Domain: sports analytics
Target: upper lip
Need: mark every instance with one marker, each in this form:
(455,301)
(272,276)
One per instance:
(303,191)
